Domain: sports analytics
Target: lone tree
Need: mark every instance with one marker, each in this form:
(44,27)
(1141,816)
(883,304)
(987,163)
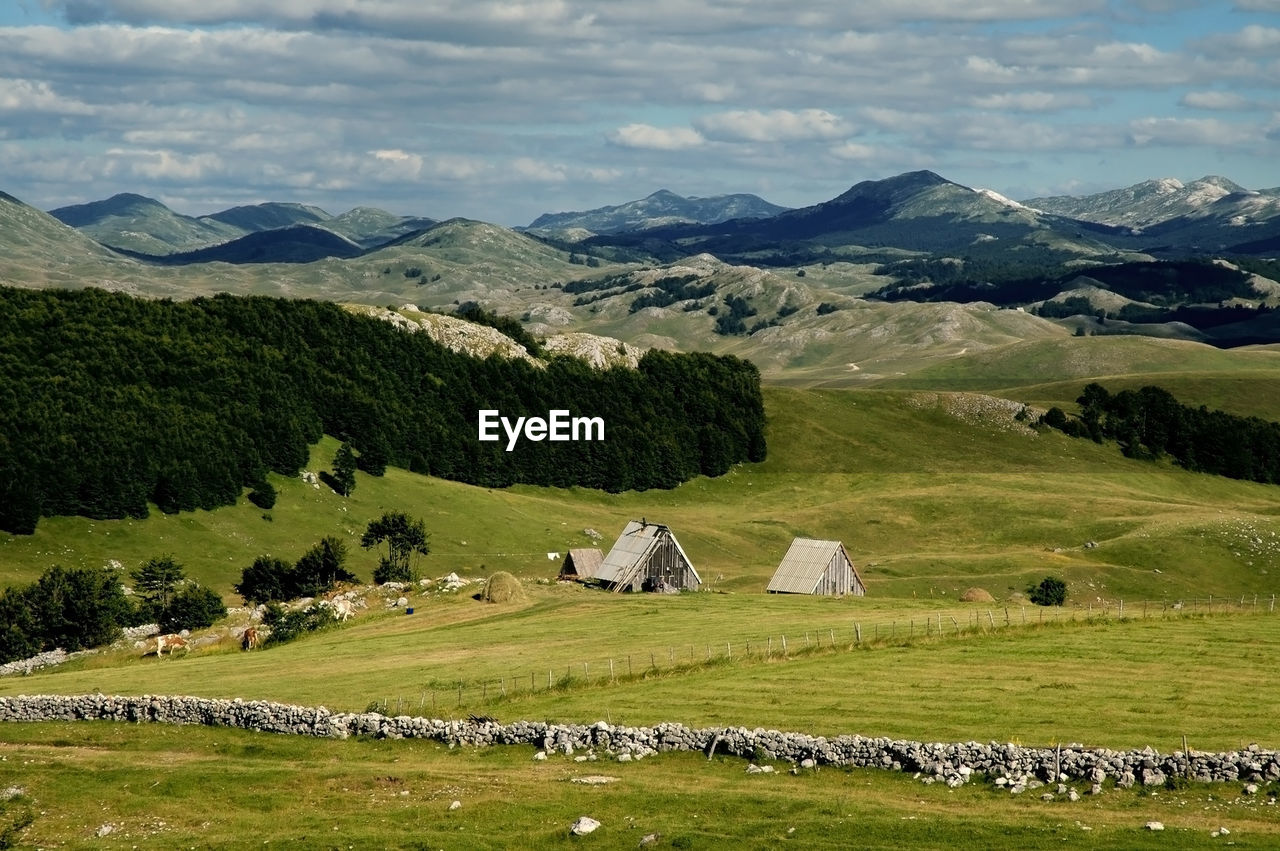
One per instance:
(157,580)
(344,470)
(405,540)
(1051,591)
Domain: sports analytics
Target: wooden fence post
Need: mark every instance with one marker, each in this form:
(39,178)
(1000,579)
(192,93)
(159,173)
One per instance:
(857,631)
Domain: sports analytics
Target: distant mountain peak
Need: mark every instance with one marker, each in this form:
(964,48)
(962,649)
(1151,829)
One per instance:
(898,186)
(1151,201)
(658,209)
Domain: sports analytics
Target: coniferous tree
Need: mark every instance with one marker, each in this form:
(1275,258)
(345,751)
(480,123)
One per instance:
(157,580)
(344,470)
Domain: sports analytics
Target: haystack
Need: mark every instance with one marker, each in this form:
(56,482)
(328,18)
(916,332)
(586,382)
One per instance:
(977,595)
(502,587)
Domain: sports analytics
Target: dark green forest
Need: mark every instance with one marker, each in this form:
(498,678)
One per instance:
(1151,424)
(109,403)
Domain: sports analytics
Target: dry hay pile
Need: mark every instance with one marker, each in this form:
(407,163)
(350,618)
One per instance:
(502,587)
(977,595)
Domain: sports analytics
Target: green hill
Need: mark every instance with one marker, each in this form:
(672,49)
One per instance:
(142,224)
(932,493)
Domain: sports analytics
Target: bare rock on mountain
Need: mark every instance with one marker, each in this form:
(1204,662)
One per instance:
(600,352)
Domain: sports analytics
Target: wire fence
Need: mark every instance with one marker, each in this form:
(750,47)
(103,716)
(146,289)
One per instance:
(861,632)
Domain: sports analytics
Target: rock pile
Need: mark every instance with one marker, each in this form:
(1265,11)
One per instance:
(1006,765)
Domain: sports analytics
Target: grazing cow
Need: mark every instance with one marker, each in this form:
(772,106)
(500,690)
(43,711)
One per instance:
(171,642)
(252,638)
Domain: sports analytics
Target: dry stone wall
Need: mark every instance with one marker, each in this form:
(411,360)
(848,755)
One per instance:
(1007,765)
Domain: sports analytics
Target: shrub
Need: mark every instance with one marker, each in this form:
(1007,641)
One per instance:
(264,580)
(1051,591)
(286,625)
(263,495)
(194,607)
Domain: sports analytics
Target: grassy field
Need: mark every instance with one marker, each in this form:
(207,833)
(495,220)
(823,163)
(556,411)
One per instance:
(930,494)
(686,659)
(162,788)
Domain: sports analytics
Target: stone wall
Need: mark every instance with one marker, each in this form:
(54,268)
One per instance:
(1005,765)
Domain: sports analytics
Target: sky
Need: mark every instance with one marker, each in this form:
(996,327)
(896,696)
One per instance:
(501,111)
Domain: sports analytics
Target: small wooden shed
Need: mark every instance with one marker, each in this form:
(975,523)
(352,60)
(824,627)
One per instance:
(647,557)
(816,567)
(581,564)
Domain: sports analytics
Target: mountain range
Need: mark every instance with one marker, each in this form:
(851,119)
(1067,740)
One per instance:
(145,226)
(883,279)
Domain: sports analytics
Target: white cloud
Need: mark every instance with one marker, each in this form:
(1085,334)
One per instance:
(855,151)
(1191,131)
(528,168)
(165,166)
(463,98)
(1215,100)
(656,138)
(779,125)
(1253,38)
(1039,101)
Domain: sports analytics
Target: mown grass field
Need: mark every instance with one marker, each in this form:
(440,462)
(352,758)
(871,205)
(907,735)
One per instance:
(1104,682)
(163,788)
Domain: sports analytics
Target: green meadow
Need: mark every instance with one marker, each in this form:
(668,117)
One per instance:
(929,495)
(164,788)
(932,493)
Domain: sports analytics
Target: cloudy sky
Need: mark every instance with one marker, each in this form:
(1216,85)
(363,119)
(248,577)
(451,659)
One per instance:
(504,110)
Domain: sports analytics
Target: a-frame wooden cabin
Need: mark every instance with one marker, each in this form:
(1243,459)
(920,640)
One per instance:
(647,557)
(581,565)
(816,567)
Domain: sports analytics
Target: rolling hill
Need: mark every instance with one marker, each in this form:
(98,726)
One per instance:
(659,209)
(300,243)
(144,225)
(269,215)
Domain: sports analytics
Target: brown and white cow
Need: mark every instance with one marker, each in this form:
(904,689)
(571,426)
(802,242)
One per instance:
(171,642)
(252,638)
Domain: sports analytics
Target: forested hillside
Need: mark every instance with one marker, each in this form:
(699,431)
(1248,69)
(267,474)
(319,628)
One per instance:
(108,403)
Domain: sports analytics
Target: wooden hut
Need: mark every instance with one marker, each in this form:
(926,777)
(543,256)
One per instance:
(647,557)
(581,564)
(816,567)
